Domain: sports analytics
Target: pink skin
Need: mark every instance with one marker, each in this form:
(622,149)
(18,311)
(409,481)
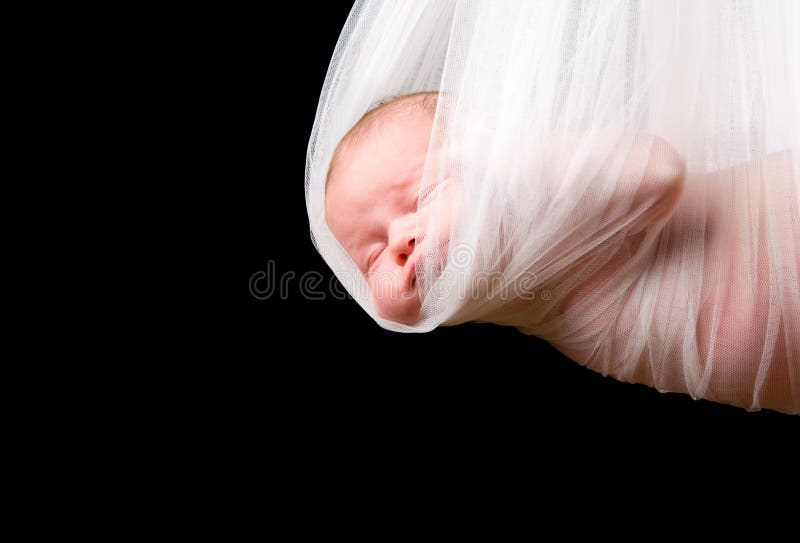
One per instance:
(372,209)
(376,209)
(738,331)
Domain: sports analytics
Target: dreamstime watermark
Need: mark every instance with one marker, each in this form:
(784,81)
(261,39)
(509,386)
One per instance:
(311,285)
(458,279)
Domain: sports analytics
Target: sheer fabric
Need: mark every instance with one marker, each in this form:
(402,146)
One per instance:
(627,176)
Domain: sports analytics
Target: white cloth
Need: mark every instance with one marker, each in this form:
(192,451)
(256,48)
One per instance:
(628,176)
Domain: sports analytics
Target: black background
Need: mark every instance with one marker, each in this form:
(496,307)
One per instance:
(321,372)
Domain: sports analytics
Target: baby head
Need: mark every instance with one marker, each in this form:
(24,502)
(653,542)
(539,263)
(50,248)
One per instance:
(375,205)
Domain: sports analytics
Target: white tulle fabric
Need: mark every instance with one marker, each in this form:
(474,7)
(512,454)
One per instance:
(627,179)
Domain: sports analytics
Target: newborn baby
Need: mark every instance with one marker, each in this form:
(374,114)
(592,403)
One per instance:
(373,201)
(740,349)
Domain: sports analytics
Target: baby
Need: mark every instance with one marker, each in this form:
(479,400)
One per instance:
(374,201)
(374,206)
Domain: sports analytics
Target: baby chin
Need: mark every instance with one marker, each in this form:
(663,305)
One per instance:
(396,299)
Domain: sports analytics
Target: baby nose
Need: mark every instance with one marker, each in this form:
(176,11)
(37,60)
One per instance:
(404,248)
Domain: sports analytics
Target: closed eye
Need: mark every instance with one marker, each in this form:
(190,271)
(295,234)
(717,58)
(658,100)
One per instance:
(424,195)
(372,258)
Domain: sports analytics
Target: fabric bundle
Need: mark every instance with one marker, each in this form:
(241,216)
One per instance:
(627,177)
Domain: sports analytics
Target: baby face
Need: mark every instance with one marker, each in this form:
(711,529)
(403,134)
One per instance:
(375,207)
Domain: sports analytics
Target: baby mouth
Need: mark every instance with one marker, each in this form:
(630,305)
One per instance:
(411,280)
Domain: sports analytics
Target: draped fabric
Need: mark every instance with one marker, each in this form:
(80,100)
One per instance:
(627,176)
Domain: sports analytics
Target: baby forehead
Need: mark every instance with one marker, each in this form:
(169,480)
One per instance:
(387,133)
(392,126)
